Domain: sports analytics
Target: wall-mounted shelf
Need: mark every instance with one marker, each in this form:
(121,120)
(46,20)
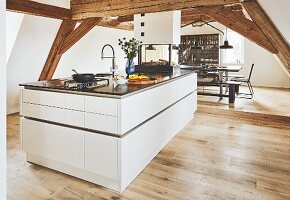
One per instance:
(206,53)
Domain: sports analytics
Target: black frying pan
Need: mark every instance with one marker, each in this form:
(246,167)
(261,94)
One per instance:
(83,78)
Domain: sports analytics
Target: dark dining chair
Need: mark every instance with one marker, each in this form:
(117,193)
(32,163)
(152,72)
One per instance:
(248,82)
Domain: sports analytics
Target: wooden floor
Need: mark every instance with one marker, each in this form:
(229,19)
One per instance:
(265,101)
(214,157)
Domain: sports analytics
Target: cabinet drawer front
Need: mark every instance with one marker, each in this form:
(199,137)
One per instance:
(101,155)
(58,115)
(61,144)
(100,105)
(102,123)
(54,99)
(140,107)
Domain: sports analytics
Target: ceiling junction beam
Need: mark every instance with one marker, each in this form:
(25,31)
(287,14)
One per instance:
(38,9)
(82,9)
(126,18)
(260,17)
(116,24)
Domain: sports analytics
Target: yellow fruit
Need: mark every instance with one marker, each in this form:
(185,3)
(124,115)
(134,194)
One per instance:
(136,77)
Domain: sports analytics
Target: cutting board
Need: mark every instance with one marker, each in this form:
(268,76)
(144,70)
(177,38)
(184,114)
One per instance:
(137,82)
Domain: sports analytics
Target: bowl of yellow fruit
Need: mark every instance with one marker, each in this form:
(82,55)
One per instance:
(140,79)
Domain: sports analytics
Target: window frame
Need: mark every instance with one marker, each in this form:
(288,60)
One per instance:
(223,51)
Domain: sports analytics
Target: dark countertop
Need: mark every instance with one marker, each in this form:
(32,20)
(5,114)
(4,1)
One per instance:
(112,90)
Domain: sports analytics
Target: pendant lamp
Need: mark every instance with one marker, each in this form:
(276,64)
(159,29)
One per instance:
(226,44)
(150,47)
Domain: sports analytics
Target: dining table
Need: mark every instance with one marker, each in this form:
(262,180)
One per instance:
(222,70)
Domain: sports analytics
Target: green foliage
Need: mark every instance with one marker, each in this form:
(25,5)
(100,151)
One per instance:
(130,47)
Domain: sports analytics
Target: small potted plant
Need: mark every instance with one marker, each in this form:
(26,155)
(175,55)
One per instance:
(130,48)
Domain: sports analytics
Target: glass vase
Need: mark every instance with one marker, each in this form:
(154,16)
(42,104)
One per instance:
(130,67)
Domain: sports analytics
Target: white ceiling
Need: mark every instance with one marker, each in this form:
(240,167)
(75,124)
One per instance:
(60,3)
(278,11)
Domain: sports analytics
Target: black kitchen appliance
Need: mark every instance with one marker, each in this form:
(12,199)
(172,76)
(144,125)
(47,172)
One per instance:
(95,82)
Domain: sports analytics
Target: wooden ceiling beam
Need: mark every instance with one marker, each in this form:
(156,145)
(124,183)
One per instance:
(54,56)
(82,9)
(126,18)
(195,18)
(187,16)
(78,33)
(116,24)
(259,16)
(239,23)
(38,9)
(68,35)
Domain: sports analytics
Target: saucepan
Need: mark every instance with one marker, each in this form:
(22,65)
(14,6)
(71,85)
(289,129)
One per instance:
(82,78)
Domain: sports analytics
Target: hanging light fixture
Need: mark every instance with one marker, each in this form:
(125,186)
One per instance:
(226,42)
(150,47)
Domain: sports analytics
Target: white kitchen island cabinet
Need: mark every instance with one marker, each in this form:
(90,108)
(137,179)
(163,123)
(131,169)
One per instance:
(107,139)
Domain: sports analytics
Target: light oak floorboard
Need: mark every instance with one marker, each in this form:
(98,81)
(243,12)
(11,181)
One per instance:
(213,157)
(266,101)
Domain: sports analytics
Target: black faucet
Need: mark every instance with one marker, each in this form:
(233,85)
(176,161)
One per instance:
(112,57)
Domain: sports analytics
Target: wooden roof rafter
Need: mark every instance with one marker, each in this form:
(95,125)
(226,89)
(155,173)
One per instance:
(82,9)
(266,25)
(245,17)
(78,33)
(38,9)
(54,56)
(237,21)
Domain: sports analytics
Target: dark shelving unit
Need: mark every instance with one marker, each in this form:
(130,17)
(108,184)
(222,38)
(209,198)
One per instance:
(206,52)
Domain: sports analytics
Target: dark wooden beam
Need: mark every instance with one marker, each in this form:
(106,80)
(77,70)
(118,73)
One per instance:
(82,9)
(78,33)
(187,16)
(38,9)
(54,56)
(126,18)
(239,23)
(259,16)
(116,24)
(195,18)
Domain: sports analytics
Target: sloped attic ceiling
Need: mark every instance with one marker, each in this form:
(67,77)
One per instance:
(278,11)
(276,44)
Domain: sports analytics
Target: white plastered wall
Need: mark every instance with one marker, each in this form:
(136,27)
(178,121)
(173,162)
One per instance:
(2,102)
(32,46)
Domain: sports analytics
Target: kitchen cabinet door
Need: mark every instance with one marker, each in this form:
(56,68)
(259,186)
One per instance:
(53,114)
(104,123)
(53,99)
(101,155)
(57,143)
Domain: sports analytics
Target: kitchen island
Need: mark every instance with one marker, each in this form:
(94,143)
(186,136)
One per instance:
(107,134)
